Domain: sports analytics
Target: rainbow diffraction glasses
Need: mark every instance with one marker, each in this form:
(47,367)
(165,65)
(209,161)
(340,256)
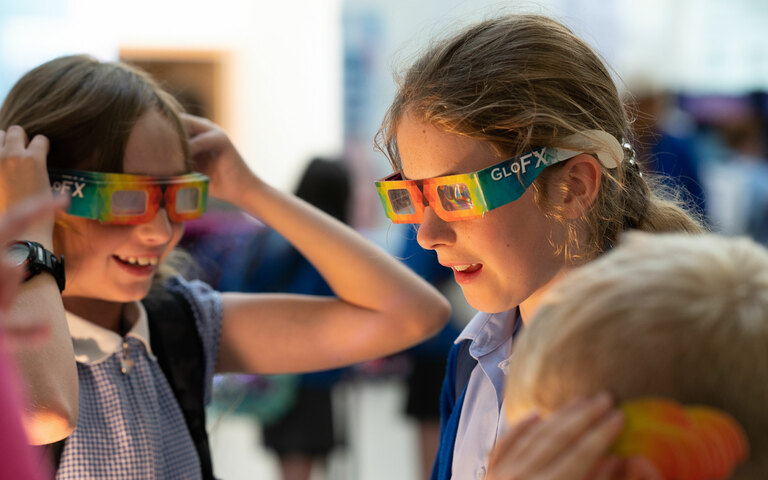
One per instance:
(119,198)
(467,195)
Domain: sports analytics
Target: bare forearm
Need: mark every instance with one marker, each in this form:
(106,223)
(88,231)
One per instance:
(273,333)
(358,271)
(46,367)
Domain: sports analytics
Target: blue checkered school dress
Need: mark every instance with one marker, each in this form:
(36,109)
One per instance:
(130,425)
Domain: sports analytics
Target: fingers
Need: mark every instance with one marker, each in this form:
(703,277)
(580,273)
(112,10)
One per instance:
(39,145)
(16,137)
(567,445)
(196,125)
(500,455)
(563,428)
(18,218)
(587,449)
(208,141)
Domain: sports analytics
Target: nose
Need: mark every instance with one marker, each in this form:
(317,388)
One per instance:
(157,231)
(434,231)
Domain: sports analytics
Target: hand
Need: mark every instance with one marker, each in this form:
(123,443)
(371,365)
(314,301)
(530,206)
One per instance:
(570,444)
(23,172)
(12,224)
(215,156)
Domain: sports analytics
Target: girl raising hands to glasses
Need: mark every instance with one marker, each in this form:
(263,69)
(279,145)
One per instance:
(135,169)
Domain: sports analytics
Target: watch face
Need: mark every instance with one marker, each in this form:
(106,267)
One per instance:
(17,253)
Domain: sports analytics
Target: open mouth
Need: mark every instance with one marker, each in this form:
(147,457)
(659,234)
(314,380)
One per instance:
(138,265)
(138,261)
(469,268)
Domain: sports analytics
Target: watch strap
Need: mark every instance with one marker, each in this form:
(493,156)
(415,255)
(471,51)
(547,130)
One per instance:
(40,260)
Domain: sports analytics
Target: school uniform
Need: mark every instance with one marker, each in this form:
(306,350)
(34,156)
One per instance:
(130,424)
(471,418)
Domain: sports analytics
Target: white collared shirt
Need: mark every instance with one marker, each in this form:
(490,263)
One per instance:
(481,422)
(130,425)
(94,344)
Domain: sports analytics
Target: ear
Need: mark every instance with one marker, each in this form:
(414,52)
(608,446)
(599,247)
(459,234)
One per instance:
(581,176)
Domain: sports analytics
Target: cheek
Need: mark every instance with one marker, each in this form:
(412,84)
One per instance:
(177,231)
(81,240)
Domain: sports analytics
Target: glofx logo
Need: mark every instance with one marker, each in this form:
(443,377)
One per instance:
(541,156)
(65,187)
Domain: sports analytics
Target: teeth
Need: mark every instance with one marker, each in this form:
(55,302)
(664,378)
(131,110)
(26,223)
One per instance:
(141,261)
(461,268)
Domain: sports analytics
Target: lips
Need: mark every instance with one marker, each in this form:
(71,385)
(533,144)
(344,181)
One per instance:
(466,272)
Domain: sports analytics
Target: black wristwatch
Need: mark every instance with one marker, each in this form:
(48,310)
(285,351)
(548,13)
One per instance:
(36,259)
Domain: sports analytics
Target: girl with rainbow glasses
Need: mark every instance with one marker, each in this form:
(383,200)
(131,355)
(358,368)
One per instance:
(127,390)
(509,145)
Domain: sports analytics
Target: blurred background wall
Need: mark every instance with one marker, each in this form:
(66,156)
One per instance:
(296,79)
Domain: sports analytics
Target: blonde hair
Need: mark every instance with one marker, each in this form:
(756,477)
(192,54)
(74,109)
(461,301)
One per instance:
(674,315)
(520,81)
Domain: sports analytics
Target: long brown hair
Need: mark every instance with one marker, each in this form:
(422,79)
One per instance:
(525,80)
(87,109)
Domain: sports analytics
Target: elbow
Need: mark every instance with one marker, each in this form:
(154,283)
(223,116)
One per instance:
(434,316)
(442,314)
(52,423)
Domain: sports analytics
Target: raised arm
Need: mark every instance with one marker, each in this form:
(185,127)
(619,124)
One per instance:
(46,366)
(380,306)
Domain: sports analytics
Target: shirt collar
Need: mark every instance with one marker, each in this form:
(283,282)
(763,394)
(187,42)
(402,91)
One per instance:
(487,331)
(94,344)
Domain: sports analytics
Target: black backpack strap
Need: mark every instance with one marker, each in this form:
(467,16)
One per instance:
(176,343)
(465,363)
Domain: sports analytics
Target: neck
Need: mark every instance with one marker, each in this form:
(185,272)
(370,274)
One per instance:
(530,305)
(101,312)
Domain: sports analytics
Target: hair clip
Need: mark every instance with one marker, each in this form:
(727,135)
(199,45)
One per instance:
(631,156)
(683,443)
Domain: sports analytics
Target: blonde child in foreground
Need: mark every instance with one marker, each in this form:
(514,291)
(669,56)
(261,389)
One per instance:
(670,316)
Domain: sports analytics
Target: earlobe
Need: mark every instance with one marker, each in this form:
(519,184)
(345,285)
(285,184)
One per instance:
(581,176)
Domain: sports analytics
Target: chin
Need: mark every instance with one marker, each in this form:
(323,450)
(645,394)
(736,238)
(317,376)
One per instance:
(135,294)
(123,293)
(486,304)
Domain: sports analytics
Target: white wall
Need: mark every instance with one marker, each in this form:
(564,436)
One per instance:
(285,87)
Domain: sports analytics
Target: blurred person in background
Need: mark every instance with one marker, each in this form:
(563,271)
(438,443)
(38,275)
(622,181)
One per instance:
(665,138)
(426,361)
(255,258)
